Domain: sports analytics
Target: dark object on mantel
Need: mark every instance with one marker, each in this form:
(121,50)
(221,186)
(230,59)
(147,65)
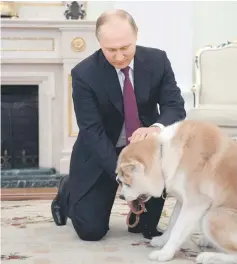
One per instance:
(8,9)
(75,11)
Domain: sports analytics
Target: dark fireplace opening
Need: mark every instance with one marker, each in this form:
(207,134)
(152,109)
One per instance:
(19,127)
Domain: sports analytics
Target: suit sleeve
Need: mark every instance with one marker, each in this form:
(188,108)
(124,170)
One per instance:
(90,125)
(171,102)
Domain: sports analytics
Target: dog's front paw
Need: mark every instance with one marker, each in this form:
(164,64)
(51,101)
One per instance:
(206,257)
(161,255)
(204,242)
(158,241)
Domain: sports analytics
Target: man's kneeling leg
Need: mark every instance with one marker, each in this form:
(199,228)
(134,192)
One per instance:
(91,214)
(89,231)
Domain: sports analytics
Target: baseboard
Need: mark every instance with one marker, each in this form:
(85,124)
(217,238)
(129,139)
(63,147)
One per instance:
(17,194)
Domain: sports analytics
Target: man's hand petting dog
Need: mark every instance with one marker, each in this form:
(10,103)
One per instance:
(142,133)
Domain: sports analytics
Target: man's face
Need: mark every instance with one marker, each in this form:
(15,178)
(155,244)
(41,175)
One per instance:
(118,42)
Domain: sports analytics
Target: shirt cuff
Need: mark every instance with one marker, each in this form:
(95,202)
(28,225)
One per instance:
(158,125)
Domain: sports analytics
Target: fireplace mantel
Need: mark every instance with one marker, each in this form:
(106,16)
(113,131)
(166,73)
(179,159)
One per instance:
(46,23)
(43,52)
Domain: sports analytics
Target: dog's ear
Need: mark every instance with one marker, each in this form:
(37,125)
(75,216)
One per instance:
(128,167)
(131,167)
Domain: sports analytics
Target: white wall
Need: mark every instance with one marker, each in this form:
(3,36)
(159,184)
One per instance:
(178,27)
(95,8)
(168,26)
(165,25)
(214,22)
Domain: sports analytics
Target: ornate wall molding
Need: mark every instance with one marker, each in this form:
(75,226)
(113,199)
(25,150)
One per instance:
(22,43)
(78,44)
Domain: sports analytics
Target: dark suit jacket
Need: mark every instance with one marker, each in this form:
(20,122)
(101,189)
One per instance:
(98,105)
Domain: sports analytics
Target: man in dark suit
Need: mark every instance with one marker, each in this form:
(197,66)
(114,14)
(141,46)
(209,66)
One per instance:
(115,92)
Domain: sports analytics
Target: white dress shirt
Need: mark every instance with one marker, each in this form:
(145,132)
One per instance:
(122,138)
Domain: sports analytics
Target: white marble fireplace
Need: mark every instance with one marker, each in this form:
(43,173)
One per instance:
(41,52)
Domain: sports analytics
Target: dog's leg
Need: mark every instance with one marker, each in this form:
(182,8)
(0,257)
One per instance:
(160,241)
(204,242)
(220,227)
(216,258)
(188,219)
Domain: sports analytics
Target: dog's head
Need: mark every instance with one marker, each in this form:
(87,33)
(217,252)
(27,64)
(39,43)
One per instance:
(139,170)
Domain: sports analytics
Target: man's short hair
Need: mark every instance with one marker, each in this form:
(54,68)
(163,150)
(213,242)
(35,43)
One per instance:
(106,16)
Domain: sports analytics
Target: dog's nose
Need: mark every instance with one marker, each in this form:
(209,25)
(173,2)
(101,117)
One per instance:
(121,197)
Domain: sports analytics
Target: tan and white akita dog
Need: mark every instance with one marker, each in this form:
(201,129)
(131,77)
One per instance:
(197,165)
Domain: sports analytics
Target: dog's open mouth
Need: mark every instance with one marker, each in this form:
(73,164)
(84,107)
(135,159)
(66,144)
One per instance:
(138,206)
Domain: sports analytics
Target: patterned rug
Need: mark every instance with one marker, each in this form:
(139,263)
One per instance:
(29,236)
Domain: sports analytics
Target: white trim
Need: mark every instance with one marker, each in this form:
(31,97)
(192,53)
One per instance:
(47,23)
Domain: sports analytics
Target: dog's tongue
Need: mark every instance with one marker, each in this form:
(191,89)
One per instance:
(136,206)
(130,204)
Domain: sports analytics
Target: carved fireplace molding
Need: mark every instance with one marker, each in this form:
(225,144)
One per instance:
(43,52)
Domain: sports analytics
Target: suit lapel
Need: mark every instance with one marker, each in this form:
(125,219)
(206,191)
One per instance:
(113,89)
(141,82)
(112,86)
(141,79)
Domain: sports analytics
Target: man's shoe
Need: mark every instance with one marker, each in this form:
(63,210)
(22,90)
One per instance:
(147,233)
(137,228)
(150,234)
(57,211)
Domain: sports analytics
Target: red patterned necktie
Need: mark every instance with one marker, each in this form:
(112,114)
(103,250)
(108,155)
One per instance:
(132,121)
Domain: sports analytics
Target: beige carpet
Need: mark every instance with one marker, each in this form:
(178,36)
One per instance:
(29,236)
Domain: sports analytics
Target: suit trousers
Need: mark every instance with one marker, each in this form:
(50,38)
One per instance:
(90,216)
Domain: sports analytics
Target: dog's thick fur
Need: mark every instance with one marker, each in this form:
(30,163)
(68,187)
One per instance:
(197,164)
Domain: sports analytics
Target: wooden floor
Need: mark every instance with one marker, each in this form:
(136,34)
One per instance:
(17,194)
